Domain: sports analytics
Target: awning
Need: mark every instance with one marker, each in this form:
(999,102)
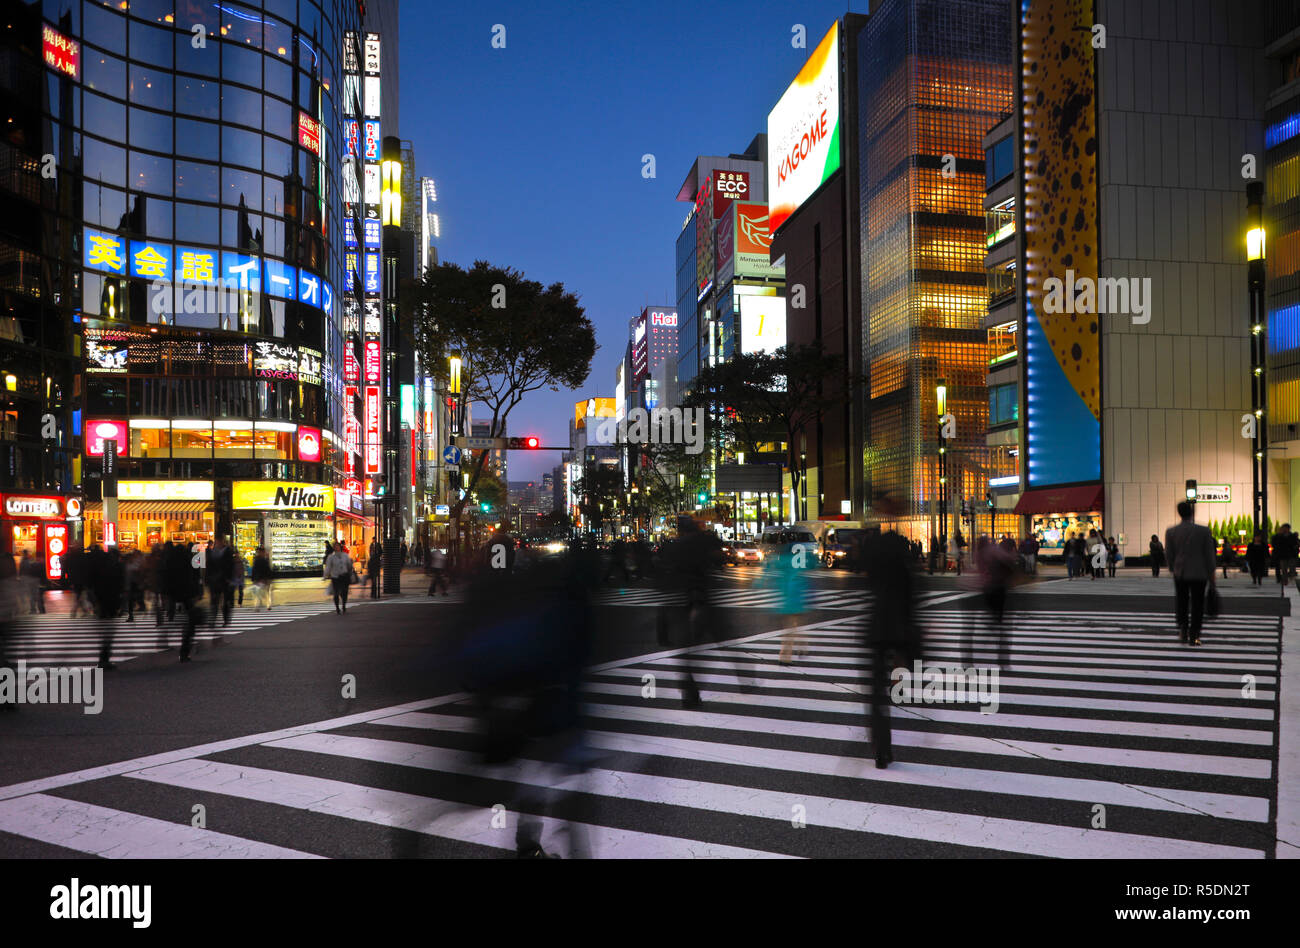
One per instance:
(1083,499)
(366,521)
(179,510)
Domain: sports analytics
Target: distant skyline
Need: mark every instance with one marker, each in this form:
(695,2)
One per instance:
(536,148)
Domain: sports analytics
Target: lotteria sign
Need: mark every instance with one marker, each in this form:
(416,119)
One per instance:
(803,131)
(281,495)
(33,507)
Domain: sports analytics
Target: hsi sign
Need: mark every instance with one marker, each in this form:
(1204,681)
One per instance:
(1214,494)
(44,508)
(281,495)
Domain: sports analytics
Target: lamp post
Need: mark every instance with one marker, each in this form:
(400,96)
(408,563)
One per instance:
(941,399)
(1258,353)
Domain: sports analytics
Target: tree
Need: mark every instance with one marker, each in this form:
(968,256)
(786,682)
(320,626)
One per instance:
(599,488)
(514,336)
(672,476)
(762,397)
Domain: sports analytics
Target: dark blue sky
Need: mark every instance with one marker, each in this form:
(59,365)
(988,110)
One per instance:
(536,148)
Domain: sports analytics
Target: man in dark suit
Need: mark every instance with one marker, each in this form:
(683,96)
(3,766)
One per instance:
(1189,548)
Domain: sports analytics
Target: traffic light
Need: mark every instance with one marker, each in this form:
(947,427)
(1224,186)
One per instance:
(1191,493)
(529,443)
(703,497)
(485,507)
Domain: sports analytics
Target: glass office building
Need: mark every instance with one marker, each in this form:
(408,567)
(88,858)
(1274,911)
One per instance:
(934,77)
(181,279)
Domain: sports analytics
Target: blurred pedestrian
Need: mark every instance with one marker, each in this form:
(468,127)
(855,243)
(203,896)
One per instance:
(789,576)
(133,568)
(184,592)
(996,567)
(1156,549)
(262,578)
(339,571)
(893,635)
(1074,556)
(31,574)
(239,573)
(107,578)
(76,564)
(1257,559)
(9,597)
(437,571)
(1112,556)
(220,580)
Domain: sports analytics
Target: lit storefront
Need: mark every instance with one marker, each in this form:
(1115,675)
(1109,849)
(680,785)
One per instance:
(292,520)
(1058,513)
(31,521)
(150,512)
(350,525)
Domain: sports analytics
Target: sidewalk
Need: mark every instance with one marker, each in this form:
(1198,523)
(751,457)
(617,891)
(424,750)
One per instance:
(1138,581)
(285,592)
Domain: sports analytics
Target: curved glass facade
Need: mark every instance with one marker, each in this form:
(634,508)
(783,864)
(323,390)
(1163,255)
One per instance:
(203,137)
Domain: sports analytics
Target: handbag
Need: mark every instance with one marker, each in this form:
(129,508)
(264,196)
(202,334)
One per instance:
(1212,604)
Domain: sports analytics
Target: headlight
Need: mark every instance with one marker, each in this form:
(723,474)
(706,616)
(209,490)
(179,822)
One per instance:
(839,552)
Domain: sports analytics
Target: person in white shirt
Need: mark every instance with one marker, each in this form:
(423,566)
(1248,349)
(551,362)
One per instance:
(338,570)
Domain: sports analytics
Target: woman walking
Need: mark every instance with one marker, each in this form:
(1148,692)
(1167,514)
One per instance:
(1112,555)
(1157,550)
(338,570)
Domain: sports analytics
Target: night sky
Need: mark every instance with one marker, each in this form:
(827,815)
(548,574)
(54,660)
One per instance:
(536,148)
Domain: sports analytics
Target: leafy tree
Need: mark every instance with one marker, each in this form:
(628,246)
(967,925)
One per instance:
(599,488)
(762,397)
(671,476)
(514,336)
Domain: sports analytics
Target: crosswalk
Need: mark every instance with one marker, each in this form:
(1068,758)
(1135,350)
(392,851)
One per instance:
(745,597)
(1109,740)
(60,639)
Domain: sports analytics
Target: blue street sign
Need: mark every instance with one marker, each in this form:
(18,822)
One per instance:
(451,454)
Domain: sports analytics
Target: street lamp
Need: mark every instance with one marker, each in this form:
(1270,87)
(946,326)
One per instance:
(941,400)
(1255,250)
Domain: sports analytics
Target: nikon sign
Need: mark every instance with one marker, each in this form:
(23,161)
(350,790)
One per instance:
(281,495)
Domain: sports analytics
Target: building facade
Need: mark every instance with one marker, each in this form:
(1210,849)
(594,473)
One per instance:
(182,286)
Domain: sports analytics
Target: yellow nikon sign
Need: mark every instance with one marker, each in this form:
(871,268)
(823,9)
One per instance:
(281,495)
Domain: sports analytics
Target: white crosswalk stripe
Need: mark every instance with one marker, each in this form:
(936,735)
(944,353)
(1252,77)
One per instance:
(59,639)
(1092,712)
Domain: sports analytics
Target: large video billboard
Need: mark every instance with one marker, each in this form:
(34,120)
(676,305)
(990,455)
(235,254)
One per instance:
(803,131)
(1062,350)
(762,323)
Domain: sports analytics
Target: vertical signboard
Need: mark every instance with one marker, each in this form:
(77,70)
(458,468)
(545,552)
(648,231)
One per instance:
(704,237)
(1062,349)
(373,445)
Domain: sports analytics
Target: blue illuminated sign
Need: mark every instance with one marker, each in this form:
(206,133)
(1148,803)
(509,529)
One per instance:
(309,288)
(241,270)
(281,280)
(104,252)
(196,266)
(372,273)
(150,260)
(372,233)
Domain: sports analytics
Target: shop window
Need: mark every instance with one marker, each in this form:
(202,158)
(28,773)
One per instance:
(195,444)
(273,444)
(232,444)
(151,442)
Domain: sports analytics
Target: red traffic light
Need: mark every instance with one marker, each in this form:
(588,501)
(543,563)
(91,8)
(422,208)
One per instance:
(530,443)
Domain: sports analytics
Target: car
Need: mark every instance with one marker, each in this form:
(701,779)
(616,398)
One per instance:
(744,551)
(778,541)
(839,547)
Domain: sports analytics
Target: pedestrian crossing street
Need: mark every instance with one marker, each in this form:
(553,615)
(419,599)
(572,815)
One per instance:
(59,639)
(1111,740)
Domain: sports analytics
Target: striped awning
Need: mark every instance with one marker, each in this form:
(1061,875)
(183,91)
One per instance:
(160,510)
(349,515)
